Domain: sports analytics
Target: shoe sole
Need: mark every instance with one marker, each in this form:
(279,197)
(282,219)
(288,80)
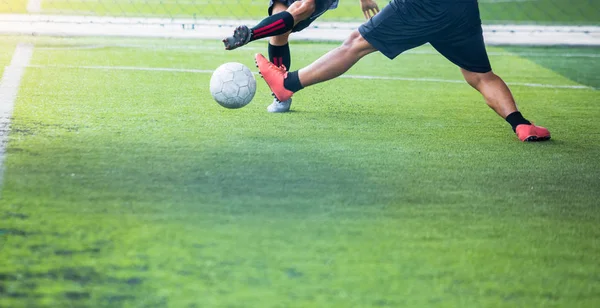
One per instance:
(536,139)
(240,37)
(279,110)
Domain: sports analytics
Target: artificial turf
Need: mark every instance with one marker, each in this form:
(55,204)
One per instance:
(133,188)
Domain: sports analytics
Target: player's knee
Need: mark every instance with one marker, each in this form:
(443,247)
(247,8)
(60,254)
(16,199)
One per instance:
(301,10)
(309,6)
(474,79)
(278,7)
(350,41)
(280,40)
(482,79)
(357,44)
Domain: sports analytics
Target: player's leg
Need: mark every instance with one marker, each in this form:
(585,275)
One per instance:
(495,92)
(276,24)
(279,54)
(329,66)
(463,45)
(384,32)
(497,95)
(336,62)
(279,48)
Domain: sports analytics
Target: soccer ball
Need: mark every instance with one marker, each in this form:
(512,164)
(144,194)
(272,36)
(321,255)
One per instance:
(232,85)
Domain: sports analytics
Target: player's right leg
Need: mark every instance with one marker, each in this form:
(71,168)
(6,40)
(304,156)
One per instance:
(273,25)
(384,32)
(329,66)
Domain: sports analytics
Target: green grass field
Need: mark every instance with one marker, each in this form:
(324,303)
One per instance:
(492,11)
(132,188)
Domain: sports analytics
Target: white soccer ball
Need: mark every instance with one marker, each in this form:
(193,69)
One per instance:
(232,85)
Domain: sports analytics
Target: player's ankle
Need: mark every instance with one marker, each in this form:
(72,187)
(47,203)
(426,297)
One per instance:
(515,119)
(292,82)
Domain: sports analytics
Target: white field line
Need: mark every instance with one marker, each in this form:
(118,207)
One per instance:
(34,6)
(9,88)
(204,71)
(201,48)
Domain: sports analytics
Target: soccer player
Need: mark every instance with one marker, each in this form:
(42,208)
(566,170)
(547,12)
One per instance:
(452,27)
(285,17)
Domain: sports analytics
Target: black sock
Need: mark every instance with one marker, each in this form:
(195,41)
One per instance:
(279,55)
(276,24)
(515,119)
(292,82)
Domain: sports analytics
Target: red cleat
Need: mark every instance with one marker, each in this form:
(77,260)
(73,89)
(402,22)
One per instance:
(274,77)
(530,132)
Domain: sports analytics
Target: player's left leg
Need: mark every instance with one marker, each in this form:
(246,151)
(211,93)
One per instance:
(497,95)
(464,46)
(495,92)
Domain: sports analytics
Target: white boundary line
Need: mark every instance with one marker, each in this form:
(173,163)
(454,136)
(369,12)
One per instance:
(204,71)
(9,88)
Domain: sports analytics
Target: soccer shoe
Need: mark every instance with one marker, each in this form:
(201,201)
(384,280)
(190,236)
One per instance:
(274,77)
(530,132)
(241,36)
(278,106)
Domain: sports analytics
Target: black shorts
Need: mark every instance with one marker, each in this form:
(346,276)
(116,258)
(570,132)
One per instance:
(453,29)
(321,6)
